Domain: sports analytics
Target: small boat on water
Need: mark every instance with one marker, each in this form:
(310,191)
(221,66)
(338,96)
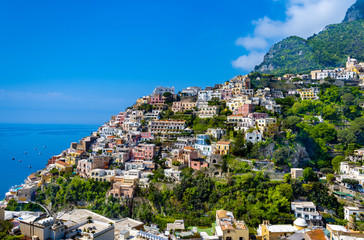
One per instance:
(20,160)
(25,152)
(35,148)
(45,146)
(13,158)
(30,166)
(40,153)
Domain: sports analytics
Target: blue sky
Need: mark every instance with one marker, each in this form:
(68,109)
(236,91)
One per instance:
(82,61)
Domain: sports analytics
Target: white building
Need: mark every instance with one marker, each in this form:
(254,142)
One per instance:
(190,91)
(174,174)
(208,111)
(216,133)
(356,211)
(240,122)
(166,126)
(208,95)
(305,210)
(161,90)
(109,131)
(322,74)
(254,136)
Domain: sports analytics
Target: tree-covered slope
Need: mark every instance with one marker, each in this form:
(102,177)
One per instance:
(328,49)
(333,45)
(290,55)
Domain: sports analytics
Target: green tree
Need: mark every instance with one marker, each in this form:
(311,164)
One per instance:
(336,162)
(330,178)
(351,183)
(281,155)
(309,175)
(287,177)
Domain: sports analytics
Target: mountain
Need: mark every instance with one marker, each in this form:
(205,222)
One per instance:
(327,49)
(355,12)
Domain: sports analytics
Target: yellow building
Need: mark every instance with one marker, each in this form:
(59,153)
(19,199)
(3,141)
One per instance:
(63,167)
(73,157)
(264,123)
(228,228)
(130,181)
(45,178)
(142,100)
(222,147)
(267,231)
(308,94)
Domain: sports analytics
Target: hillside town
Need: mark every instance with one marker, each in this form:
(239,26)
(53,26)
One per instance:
(168,135)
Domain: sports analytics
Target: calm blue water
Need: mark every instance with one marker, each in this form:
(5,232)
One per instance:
(16,139)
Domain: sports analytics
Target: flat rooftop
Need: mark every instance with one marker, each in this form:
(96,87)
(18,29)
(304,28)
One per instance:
(282,228)
(79,215)
(94,226)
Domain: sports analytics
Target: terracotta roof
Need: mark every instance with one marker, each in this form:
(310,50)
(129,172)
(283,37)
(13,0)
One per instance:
(227,227)
(169,120)
(221,214)
(189,148)
(223,142)
(62,163)
(317,234)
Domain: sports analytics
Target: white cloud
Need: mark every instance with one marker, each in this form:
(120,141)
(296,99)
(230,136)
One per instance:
(251,43)
(248,62)
(303,19)
(26,96)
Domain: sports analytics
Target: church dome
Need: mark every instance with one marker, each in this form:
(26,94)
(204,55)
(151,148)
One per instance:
(300,222)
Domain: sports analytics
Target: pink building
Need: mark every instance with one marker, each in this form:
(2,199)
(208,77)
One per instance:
(121,191)
(198,164)
(85,166)
(120,118)
(226,94)
(245,109)
(146,136)
(186,155)
(144,152)
(157,99)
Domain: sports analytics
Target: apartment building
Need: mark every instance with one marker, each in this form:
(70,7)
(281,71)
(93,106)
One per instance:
(305,210)
(183,106)
(166,126)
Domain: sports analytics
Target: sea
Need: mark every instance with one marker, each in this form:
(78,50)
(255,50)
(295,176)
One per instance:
(31,145)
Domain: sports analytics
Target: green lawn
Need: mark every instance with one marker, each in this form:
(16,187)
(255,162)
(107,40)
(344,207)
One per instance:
(204,229)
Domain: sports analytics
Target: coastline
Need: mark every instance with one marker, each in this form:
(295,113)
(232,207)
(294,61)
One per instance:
(18,138)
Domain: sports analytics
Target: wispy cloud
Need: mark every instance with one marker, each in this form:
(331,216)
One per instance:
(303,19)
(248,62)
(26,96)
(54,100)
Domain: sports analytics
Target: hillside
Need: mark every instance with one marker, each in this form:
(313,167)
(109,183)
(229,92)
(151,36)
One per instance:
(327,49)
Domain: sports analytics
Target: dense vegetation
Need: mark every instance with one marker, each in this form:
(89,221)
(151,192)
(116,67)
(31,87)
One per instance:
(251,196)
(5,228)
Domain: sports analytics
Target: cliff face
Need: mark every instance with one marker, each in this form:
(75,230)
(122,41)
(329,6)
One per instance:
(355,12)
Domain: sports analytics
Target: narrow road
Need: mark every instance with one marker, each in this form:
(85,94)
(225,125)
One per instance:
(47,211)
